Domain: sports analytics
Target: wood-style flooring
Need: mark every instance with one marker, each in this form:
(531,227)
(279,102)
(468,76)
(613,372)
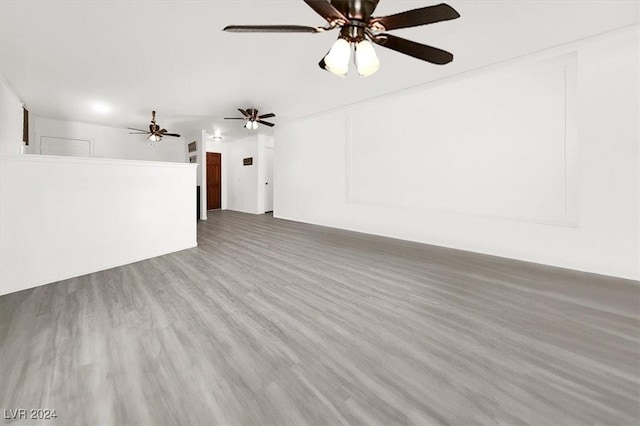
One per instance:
(281,323)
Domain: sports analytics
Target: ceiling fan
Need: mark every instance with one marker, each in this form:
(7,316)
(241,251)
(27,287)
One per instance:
(155,132)
(358,27)
(252,117)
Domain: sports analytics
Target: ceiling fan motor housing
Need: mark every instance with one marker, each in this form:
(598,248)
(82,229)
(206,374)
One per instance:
(357,10)
(353,33)
(253,114)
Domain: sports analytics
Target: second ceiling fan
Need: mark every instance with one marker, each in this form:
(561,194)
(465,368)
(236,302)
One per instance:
(155,133)
(252,118)
(359,28)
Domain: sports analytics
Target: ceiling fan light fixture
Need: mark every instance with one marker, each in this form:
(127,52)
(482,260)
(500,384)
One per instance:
(254,125)
(366,59)
(248,125)
(337,60)
(154,138)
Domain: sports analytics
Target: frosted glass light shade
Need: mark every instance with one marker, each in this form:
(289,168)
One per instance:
(367,61)
(337,60)
(154,138)
(254,125)
(248,125)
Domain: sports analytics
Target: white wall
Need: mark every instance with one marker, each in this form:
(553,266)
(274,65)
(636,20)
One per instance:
(110,142)
(55,224)
(265,172)
(242,181)
(536,159)
(11,117)
(199,137)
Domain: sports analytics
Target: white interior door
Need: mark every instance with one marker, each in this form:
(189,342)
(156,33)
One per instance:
(268,184)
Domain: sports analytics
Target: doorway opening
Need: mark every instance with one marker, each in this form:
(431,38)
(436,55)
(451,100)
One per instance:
(214,180)
(268,184)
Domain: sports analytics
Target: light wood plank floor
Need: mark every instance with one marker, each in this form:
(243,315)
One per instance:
(280,323)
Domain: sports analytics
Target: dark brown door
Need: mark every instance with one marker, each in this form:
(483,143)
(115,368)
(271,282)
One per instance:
(214,178)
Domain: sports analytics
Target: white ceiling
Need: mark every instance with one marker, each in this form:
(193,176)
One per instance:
(61,57)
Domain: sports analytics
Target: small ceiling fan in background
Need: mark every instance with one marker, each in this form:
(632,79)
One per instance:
(155,132)
(359,28)
(252,118)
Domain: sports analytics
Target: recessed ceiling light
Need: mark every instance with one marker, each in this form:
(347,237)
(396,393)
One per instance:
(217,135)
(101,108)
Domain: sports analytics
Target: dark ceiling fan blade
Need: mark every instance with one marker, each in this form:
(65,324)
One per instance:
(270,115)
(140,133)
(163,131)
(327,11)
(243,112)
(411,48)
(271,29)
(265,123)
(138,130)
(235,118)
(175,135)
(417,17)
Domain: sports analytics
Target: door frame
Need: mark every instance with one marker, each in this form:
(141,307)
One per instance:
(268,152)
(220,187)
